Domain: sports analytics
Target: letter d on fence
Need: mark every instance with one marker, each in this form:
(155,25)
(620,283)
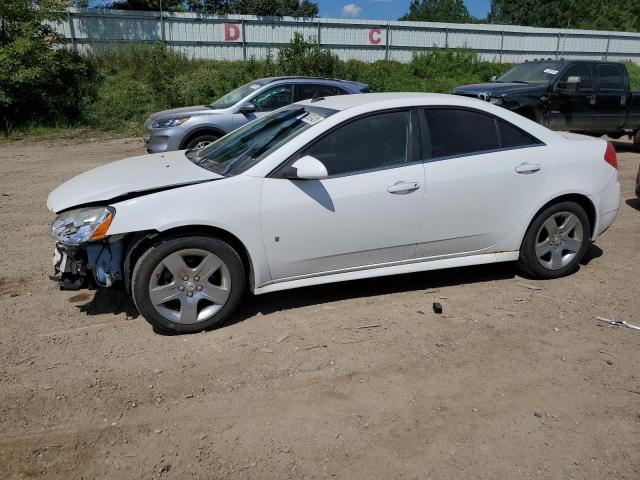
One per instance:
(231,32)
(375,36)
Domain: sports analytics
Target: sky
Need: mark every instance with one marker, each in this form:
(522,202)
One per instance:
(385,9)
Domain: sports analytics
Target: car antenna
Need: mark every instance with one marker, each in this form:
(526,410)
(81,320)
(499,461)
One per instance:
(316,98)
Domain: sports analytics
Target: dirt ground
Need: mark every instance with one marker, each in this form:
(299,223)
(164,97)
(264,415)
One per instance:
(356,380)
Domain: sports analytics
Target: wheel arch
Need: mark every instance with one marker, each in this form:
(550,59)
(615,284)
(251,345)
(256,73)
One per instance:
(140,242)
(582,200)
(200,131)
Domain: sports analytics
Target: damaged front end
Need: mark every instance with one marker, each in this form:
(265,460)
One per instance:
(84,255)
(86,265)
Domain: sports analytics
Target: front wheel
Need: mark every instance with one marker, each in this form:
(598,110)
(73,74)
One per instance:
(556,241)
(188,284)
(201,141)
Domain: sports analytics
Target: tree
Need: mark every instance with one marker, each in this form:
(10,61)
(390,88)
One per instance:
(153,5)
(449,11)
(38,80)
(585,14)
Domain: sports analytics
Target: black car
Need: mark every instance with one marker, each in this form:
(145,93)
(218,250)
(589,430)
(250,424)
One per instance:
(578,95)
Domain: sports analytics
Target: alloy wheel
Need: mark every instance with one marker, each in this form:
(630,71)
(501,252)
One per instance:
(189,286)
(559,240)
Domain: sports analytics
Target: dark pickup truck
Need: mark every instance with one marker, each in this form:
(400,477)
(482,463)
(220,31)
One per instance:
(583,96)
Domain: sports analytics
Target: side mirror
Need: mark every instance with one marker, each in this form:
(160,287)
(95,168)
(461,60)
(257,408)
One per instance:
(247,108)
(493,78)
(307,168)
(572,85)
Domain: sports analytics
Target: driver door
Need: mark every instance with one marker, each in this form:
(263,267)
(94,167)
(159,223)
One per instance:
(573,110)
(266,101)
(366,212)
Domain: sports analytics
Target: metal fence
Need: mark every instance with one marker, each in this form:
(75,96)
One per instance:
(238,37)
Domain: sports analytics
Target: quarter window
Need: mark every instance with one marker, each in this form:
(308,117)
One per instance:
(512,137)
(455,132)
(273,98)
(373,142)
(610,77)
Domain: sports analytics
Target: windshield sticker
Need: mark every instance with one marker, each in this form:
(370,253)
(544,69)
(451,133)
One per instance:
(551,71)
(311,118)
(255,86)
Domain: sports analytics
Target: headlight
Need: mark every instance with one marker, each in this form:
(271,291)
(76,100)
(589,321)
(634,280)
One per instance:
(169,122)
(495,101)
(82,225)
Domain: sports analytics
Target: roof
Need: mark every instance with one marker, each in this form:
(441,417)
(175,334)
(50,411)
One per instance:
(343,102)
(277,79)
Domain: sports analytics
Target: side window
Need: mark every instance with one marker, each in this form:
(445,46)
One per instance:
(373,142)
(610,77)
(308,90)
(460,132)
(580,70)
(512,137)
(273,98)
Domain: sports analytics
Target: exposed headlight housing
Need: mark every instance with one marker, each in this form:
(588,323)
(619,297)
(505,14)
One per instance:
(169,122)
(82,225)
(495,101)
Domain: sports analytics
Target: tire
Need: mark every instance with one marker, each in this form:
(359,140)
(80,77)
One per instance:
(564,246)
(201,140)
(172,304)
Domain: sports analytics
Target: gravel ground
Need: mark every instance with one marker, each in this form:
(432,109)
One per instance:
(352,380)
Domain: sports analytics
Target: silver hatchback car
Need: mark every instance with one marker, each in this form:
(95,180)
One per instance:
(196,127)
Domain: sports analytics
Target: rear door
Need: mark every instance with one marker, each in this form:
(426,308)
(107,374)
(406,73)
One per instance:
(612,97)
(482,180)
(574,110)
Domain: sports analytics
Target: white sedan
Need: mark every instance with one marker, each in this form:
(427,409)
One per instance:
(330,190)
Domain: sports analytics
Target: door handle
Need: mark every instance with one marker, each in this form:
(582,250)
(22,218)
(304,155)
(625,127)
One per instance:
(592,99)
(400,188)
(527,168)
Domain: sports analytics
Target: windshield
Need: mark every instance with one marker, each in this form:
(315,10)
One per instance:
(242,149)
(532,72)
(233,97)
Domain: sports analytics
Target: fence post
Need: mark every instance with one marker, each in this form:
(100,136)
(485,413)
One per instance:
(72,32)
(558,45)
(244,40)
(386,54)
(446,37)
(606,54)
(319,32)
(501,45)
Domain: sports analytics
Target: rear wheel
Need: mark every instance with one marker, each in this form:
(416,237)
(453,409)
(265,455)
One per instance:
(188,284)
(201,141)
(556,241)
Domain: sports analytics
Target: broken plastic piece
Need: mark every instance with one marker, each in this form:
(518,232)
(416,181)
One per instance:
(437,307)
(619,323)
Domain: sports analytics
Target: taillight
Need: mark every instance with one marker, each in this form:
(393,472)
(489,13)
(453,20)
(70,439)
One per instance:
(610,155)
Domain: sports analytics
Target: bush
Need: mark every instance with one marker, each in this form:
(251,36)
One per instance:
(38,82)
(121,102)
(301,57)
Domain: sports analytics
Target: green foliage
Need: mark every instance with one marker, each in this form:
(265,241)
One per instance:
(38,82)
(634,75)
(450,11)
(301,57)
(122,103)
(586,14)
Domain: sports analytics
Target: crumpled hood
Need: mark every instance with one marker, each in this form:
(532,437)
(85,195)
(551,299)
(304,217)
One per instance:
(495,89)
(131,175)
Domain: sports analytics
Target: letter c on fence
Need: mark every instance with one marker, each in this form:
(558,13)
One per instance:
(231,32)
(375,36)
